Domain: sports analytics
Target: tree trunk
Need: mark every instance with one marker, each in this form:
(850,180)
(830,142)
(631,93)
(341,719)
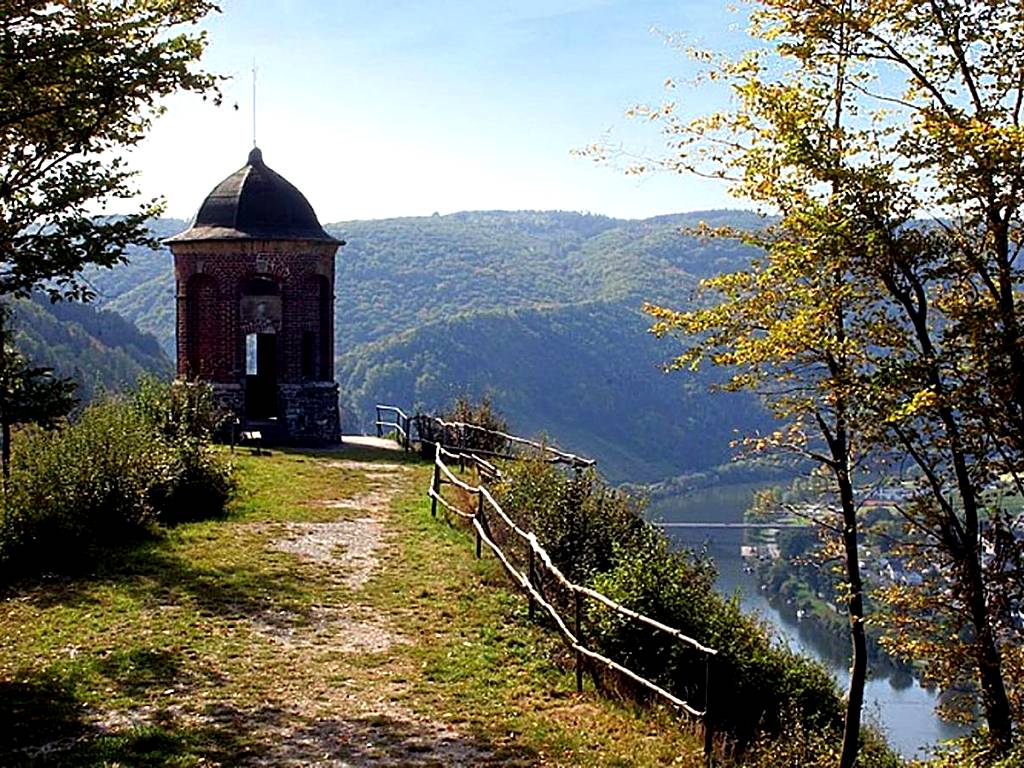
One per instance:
(1009,390)
(962,539)
(5,424)
(993,691)
(858,637)
(5,450)
(971,580)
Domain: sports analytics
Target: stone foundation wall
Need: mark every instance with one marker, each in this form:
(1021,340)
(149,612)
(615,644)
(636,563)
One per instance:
(307,413)
(229,398)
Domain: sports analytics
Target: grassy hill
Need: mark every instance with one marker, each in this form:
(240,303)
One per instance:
(540,309)
(223,643)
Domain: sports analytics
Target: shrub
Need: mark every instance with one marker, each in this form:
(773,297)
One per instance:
(800,747)
(177,410)
(197,485)
(481,415)
(596,536)
(84,483)
(751,680)
(122,467)
(975,751)
(580,521)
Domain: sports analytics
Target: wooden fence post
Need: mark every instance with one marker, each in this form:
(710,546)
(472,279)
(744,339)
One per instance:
(709,734)
(578,601)
(480,521)
(435,485)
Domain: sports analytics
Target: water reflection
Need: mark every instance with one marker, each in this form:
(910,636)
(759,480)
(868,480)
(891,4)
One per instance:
(894,701)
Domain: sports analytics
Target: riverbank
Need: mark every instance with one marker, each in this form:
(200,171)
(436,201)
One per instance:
(796,586)
(895,703)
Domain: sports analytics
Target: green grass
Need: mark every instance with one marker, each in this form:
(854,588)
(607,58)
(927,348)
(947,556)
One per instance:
(210,646)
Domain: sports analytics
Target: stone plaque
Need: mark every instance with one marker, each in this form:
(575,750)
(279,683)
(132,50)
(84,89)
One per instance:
(261,314)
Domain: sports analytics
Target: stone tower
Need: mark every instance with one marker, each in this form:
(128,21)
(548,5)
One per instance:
(255,305)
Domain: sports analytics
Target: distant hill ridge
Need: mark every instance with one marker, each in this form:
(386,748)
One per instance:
(540,309)
(99,349)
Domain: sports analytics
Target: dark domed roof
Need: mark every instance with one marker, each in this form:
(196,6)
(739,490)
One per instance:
(255,203)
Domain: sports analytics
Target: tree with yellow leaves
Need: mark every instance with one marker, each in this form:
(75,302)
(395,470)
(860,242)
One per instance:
(884,318)
(797,328)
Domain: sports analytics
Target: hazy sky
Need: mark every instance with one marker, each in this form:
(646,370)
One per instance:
(395,107)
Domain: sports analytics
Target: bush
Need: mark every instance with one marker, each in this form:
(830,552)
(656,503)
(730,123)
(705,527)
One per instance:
(178,410)
(482,415)
(184,415)
(597,537)
(580,521)
(750,682)
(122,467)
(800,747)
(975,751)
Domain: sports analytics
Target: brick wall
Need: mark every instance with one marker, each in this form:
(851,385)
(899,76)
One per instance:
(211,278)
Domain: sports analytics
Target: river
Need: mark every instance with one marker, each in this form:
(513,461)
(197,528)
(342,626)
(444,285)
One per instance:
(897,704)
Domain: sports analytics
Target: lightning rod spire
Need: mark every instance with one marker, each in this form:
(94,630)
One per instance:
(254,102)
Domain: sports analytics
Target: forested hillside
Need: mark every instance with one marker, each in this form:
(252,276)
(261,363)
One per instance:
(98,349)
(540,309)
(143,289)
(396,274)
(584,375)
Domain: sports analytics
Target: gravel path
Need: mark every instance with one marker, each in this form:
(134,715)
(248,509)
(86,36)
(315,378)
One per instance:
(370,728)
(344,551)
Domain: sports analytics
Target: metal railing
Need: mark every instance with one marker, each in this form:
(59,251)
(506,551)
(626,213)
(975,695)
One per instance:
(400,424)
(460,436)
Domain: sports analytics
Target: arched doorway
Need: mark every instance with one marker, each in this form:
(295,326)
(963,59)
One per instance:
(260,322)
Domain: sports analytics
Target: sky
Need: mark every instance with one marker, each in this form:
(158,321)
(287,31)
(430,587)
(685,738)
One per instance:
(403,108)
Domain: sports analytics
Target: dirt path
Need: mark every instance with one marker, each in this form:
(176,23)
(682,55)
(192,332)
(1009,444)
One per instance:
(340,553)
(360,721)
